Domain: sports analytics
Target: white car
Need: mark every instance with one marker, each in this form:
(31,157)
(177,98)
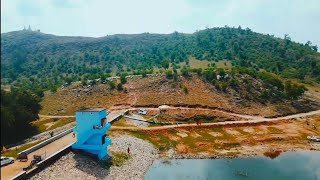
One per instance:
(6,160)
(142,111)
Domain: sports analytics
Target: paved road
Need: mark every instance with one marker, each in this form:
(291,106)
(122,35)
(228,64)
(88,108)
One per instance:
(115,114)
(10,171)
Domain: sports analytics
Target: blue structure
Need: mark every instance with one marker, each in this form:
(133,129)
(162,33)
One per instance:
(91,131)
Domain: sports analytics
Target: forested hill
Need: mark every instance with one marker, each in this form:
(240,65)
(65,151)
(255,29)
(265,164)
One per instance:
(35,58)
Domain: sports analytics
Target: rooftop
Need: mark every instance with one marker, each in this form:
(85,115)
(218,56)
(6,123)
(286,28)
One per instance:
(91,110)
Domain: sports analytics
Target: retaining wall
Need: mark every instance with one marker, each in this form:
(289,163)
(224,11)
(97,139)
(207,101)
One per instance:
(46,142)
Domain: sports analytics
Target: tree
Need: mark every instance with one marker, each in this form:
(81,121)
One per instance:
(18,109)
(144,74)
(165,64)
(169,74)
(111,84)
(123,79)
(293,91)
(185,72)
(185,90)
(221,72)
(119,87)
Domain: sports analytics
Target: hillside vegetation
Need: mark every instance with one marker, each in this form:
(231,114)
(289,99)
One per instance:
(38,61)
(249,94)
(18,109)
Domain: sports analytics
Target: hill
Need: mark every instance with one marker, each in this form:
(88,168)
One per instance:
(39,61)
(192,91)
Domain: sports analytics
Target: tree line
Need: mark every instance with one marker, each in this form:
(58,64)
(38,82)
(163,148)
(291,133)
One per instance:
(18,109)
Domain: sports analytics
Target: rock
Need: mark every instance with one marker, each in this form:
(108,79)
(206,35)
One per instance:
(75,166)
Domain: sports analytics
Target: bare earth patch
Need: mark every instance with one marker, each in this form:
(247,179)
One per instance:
(248,129)
(215,134)
(182,134)
(195,135)
(232,131)
(181,148)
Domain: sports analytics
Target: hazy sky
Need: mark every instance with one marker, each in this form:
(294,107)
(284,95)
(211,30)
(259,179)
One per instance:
(298,18)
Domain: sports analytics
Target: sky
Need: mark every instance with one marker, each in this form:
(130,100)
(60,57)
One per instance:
(95,18)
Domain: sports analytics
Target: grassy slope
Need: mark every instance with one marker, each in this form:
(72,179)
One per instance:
(228,139)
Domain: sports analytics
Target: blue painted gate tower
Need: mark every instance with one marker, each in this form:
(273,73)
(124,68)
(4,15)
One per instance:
(91,131)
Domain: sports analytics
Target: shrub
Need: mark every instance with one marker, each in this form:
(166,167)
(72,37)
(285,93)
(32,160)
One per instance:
(175,76)
(169,74)
(111,84)
(119,87)
(293,91)
(185,90)
(123,79)
(185,72)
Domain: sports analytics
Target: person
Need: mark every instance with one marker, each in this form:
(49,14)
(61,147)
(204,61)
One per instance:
(128,150)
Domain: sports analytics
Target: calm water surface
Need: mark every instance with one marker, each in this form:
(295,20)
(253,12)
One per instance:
(303,165)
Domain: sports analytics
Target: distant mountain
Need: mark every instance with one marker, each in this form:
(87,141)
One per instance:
(44,60)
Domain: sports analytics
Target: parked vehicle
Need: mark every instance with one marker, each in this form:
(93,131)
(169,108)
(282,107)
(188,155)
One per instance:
(314,138)
(142,111)
(6,160)
(23,156)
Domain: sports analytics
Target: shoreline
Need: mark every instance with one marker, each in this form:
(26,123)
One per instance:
(143,155)
(203,156)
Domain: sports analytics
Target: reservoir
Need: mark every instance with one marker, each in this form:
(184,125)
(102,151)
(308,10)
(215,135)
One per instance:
(302,165)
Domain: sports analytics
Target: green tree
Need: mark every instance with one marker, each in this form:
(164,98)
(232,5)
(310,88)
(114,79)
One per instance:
(123,79)
(169,74)
(165,64)
(119,87)
(112,85)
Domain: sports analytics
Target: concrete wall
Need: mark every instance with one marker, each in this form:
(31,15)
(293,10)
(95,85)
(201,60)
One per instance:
(46,142)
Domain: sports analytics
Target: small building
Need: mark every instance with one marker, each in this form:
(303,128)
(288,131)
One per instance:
(163,108)
(91,132)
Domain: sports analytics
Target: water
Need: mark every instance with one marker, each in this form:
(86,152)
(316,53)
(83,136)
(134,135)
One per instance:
(303,165)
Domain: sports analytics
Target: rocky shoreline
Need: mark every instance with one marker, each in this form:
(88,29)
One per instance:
(142,155)
(75,166)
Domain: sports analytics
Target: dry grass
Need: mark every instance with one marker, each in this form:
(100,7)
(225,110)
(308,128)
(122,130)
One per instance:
(155,91)
(13,153)
(194,63)
(52,123)
(206,140)
(224,64)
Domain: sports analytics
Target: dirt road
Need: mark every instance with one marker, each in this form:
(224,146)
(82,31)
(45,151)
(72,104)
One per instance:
(253,120)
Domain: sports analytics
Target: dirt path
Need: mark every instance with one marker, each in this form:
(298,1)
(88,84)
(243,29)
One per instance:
(251,119)
(241,115)
(220,111)
(254,119)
